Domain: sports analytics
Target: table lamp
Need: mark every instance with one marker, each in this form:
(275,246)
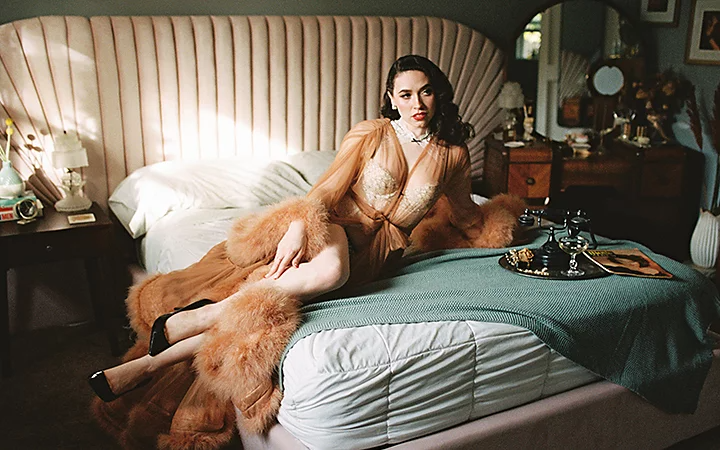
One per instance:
(69,154)
(511,99)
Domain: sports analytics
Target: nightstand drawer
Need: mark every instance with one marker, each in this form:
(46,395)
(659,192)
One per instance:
(529,155)
(55,246)
(529,180)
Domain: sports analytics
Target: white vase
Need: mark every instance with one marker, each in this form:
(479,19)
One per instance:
(705,240)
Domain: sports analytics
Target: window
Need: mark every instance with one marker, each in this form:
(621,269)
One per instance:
(527,45)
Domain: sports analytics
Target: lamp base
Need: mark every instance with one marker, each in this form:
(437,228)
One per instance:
(73,203)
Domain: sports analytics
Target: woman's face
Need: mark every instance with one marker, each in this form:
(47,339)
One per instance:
(414,98)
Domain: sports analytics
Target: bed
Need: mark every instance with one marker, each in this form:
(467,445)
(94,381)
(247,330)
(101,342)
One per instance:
(358,385)
(190,122)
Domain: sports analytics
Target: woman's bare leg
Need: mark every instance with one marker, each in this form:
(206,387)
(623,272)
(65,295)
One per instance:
(327,271)
(126,376)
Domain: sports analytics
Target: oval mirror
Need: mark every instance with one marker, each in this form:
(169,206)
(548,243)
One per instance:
(555,55)
(608,80)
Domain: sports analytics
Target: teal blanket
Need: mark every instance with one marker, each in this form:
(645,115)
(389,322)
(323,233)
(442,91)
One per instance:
(648,335)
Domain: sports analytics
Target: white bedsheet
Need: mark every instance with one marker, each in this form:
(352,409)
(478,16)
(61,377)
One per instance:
(375,385)
(183,237)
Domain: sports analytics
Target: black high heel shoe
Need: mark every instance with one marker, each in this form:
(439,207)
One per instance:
(158,340)
(99,384)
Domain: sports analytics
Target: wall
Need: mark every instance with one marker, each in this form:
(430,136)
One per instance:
(55,301)
(498,19)
(671,41)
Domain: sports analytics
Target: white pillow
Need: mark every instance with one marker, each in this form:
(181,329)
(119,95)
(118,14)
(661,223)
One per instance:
(311,164)
(151,192)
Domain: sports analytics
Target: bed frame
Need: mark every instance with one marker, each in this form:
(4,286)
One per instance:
(140,90)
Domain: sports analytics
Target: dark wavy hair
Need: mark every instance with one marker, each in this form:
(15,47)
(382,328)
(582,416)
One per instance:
(446,123)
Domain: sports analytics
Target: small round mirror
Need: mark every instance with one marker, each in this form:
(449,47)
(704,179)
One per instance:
(608,80)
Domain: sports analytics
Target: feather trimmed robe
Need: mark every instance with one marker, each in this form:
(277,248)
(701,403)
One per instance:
(372,192)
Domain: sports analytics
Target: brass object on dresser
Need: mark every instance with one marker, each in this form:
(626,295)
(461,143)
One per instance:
(649,195)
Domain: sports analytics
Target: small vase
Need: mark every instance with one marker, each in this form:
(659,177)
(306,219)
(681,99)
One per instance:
(705,240)
(11,185)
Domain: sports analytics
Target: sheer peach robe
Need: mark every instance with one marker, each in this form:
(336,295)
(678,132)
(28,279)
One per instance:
(370,191)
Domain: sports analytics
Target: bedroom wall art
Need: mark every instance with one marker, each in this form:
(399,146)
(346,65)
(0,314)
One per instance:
(660,12)
(703,41)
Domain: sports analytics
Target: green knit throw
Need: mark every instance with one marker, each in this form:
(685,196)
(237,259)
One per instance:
(648,335)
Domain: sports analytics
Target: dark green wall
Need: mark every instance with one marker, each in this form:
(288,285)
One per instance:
(671,43)
(499,19)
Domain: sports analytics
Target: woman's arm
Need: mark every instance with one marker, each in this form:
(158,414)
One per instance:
(358,145)
(458,189)
(490,225)
(290,250)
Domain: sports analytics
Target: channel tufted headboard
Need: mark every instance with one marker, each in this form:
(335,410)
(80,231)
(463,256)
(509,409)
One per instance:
(140,90)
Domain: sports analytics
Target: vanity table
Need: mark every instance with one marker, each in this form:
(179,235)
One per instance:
(649,195)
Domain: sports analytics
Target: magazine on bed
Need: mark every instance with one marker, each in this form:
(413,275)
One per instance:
(631,262)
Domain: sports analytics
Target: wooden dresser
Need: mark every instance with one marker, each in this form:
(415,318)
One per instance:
(647,195)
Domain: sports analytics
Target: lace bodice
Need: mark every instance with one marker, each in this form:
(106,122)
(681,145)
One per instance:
(370,190)
(379,187)
(377,184)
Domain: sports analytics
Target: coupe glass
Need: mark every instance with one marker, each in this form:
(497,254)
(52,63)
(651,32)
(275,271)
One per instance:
(573,246)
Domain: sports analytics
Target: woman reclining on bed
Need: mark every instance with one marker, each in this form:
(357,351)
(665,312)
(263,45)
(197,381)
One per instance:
(387,175)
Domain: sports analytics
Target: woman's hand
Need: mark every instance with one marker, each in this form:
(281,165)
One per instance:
(290,250)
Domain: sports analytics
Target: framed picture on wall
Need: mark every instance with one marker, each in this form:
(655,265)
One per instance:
(660,12)
(703,42)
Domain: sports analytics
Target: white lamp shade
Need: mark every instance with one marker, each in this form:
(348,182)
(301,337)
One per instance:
(69,160)
(69,152)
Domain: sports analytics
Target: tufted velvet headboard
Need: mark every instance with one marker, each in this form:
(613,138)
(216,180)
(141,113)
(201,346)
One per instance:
(140,90)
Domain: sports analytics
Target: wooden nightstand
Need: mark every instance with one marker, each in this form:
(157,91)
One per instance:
(49,239)
(524,171)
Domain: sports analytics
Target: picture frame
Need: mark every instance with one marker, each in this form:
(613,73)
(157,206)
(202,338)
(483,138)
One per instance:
(660,12)
(703,41)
